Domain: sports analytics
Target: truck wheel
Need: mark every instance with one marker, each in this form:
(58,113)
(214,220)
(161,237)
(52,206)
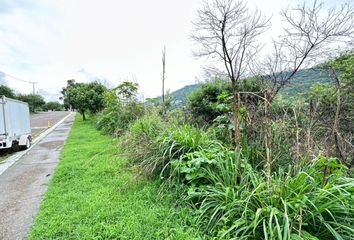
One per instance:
(28,144)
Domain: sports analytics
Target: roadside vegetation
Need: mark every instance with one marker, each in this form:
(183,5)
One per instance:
(95,194)
(239,160)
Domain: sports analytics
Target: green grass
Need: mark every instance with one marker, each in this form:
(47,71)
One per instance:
(95,195)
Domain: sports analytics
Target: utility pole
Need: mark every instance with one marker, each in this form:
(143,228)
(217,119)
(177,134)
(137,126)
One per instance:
(163,73)
(21,80)
(33,86)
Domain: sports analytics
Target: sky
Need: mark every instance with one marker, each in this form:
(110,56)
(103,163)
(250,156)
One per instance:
(51,41)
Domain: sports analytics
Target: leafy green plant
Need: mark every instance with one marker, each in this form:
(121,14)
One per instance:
(141,139)
(121,109)
(180,140)
(292,207)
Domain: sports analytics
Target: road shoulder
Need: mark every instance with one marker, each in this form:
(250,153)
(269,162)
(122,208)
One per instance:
(24,184)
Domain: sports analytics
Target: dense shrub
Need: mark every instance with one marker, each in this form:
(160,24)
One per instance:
(304,206)
(141,141)
(155,146)
(315,203)
(121,109)
(202,100)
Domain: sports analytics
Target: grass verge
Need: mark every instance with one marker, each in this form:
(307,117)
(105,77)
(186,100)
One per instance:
(95,195)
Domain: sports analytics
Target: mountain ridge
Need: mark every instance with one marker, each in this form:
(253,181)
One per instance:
(302,82)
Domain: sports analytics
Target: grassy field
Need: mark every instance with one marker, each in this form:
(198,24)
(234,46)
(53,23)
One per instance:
(95,195)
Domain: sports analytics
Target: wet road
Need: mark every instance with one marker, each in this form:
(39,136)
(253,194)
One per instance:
(39,121)
(23,185)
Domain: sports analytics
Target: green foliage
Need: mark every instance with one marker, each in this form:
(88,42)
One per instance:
(155,146)
(127,91)
(85,97)
(342,68)
(163,107)
(179,140)
(95,195)
(304,80)
(148,126)
(121,109)
(53,106)
(142,139)
(301,83)
(7,92)
(292,207)
(35,101)
(231,196)
(194,169)
(201,102)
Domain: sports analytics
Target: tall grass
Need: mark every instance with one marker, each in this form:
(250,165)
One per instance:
(316,202)
(293,207)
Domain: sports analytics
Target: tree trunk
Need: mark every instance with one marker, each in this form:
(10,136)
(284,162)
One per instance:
(309,129)
(333,138)
(236,106)
(268,166)
(297,157)
(83,116)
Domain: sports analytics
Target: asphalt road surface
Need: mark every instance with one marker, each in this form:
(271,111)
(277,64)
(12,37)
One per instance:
(23,185)
(39,121)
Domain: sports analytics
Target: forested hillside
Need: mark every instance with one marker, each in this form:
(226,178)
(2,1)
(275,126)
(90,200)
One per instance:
(302,83)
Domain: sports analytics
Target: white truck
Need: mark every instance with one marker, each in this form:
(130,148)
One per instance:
(15,128)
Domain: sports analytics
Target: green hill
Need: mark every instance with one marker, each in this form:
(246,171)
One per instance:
(304,80)
(301,83)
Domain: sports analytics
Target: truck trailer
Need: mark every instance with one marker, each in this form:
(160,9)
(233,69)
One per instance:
(15,128)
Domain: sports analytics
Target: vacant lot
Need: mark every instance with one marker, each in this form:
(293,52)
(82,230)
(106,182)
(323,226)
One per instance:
(95,195)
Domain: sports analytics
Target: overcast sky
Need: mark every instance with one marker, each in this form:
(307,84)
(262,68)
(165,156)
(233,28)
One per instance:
(51,41)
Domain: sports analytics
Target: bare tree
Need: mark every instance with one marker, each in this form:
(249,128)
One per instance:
(311,35)
(227,31)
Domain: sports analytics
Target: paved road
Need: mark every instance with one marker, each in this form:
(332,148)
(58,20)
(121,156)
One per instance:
(39,121)
(23,185)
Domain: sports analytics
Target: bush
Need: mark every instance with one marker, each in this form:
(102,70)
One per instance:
(155,146)
(119,111)
(141,141)
(305,206)
(202,100)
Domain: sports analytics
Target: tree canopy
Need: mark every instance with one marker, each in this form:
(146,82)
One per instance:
(35,101)
(85,97)
(7,92)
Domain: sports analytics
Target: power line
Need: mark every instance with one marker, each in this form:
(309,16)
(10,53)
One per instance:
(21,80)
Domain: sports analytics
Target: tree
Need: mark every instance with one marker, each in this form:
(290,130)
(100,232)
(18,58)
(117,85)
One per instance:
(69,83)
(85,97)
(121,108)
(127,92)
(35,101)
(227,31)
(341,69)
(202,101)
(310,34)
(7,92)
(53,106)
